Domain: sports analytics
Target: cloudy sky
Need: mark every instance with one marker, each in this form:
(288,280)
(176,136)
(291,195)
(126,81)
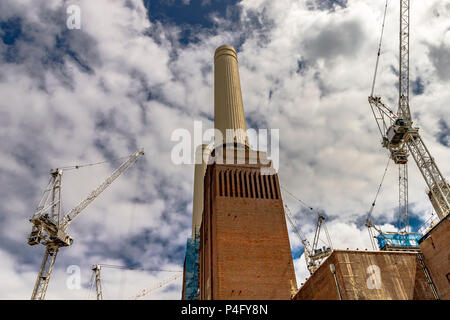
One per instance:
(139,69)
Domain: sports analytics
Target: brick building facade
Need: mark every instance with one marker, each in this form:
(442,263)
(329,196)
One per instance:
(244,244)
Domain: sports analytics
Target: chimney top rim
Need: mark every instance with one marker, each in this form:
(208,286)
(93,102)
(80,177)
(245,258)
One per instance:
(225,49)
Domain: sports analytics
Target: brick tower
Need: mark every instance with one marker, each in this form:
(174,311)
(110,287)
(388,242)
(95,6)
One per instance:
(244,245)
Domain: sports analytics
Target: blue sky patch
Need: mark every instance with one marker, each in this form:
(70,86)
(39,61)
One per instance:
(444,133)
(297,252)
(417,86)
(10,30)
(194,17)
(330,5)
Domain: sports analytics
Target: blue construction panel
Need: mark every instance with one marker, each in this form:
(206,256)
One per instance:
(398,240)
(191,274)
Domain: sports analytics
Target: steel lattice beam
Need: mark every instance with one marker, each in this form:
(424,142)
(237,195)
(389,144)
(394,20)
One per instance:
(43,278)
(439,189)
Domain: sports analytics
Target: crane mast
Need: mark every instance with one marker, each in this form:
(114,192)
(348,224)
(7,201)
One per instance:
(98,282)
(403,88)
(49,228)
(401,138)
(403,112)
(43,278)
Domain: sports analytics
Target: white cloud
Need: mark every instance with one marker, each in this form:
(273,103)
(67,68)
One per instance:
(306,72)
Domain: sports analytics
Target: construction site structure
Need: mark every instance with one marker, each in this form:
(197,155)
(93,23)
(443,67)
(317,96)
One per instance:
(191,274)
(393,241)
(50,226)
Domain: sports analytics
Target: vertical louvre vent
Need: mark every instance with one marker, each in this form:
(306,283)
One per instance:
(247,184)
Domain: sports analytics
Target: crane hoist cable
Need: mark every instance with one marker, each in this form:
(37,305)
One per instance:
(369,214)
(296,228)
(379,48)
(369,223)
(91,285)
(67,168)
(112,266)
(299,200)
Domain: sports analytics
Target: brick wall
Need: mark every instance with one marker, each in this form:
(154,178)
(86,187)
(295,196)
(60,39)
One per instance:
(244,251)
(368,275)
(435,248)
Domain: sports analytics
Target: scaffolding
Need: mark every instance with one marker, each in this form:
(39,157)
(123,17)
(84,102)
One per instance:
(191,273)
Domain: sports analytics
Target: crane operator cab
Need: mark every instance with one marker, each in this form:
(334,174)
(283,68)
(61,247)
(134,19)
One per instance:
(396,132)
(62,239)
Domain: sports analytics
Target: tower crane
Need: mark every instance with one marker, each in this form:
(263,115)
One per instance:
(50,227)
(401,138)
(314,256)
(320,253)
(98,282)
